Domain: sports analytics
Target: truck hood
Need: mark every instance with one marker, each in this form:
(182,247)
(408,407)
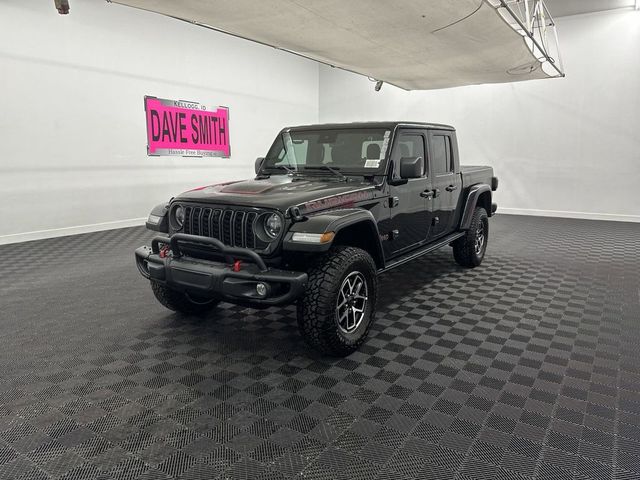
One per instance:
(282,191)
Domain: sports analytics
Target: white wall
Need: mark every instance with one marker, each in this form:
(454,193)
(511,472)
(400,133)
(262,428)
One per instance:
(567,147)
(72,123)
(72,132)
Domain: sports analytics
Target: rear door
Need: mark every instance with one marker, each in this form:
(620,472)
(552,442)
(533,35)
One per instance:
(410,210)
(446,181)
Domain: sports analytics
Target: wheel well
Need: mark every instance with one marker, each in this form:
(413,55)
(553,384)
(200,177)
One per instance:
(362,235)
(484,201)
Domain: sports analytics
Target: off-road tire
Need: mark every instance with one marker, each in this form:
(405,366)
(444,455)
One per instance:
(465,248)
(317,309)
(181,302)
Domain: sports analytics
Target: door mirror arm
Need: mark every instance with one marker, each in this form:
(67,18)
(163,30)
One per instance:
(394,182)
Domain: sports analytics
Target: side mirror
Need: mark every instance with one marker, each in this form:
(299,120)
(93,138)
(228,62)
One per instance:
(411,167)
(258,164)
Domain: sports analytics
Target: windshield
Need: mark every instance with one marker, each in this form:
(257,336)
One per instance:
(341,151)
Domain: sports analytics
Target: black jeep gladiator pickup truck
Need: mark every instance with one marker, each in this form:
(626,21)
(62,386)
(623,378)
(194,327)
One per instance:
(330,208)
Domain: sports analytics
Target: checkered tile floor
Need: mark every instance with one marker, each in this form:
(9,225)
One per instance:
(526,367)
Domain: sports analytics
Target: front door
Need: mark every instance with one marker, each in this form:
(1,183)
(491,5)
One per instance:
(446,182)
(410,209)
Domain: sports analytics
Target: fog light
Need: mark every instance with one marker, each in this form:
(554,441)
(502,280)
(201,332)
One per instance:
(261,289)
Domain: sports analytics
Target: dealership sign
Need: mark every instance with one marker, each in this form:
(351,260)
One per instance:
(178,127)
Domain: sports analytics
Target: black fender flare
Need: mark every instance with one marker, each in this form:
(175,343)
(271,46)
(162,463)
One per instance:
(333,221)
(161,211)
(470,205)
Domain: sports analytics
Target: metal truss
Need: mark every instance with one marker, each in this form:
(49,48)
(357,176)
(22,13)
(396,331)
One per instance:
(532,20)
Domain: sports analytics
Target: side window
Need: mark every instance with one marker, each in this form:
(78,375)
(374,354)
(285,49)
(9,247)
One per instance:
(408,146)
(441,154)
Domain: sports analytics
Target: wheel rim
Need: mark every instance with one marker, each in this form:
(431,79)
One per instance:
(480,238)
(351,305)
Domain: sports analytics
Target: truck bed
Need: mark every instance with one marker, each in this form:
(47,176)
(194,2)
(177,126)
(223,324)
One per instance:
(472,174)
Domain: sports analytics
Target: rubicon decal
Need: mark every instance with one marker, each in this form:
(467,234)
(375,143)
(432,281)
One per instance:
(177,127)
(343,200)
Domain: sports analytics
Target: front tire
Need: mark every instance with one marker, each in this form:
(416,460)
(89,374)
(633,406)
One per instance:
(182,302)
(469,250)
(337,310)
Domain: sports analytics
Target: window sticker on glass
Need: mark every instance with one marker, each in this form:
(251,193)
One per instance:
(372,163)
(385,144)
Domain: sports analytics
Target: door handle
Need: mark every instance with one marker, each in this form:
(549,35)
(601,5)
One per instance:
(428,194)
(451,188)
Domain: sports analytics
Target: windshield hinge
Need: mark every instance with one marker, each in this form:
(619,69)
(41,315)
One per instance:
(296,215)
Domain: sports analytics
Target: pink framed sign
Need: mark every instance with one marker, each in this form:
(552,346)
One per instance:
(188,129)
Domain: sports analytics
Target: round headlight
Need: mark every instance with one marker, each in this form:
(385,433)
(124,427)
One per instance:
(178,215)
(273,225)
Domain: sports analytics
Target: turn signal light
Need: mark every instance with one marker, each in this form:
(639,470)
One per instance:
(327,237)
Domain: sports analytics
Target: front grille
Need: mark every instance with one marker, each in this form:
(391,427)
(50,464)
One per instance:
(234,228)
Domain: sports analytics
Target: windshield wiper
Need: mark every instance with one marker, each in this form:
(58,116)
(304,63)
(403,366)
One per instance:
(290,170)
(333,170)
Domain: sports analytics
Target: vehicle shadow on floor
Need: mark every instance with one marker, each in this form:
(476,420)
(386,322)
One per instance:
(274,331)
(416,275)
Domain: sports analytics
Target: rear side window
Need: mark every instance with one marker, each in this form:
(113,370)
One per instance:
(441,154)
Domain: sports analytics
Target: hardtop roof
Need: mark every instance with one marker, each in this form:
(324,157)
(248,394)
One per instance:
(360,125)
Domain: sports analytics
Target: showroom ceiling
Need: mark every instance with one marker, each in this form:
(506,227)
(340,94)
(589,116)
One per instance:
(413,45)
(561,8)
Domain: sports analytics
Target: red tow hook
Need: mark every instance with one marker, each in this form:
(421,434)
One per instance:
(236,265)
(164,251)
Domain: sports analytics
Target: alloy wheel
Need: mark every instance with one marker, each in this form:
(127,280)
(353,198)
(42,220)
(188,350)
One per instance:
(480,238)
(352,302)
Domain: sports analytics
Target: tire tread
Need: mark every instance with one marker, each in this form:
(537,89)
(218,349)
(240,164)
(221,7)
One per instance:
(316,310)
(463,248)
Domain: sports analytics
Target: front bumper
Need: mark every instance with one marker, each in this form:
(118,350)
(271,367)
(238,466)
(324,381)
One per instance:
(218,279)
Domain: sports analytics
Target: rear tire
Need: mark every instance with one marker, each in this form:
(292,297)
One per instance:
(182,302)
(338,307)
(469,250)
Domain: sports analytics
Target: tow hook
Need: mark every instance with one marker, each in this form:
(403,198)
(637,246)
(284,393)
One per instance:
(237,265)
(164,251)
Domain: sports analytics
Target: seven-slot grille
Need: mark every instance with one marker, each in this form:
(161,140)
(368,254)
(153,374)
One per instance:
(233,227)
